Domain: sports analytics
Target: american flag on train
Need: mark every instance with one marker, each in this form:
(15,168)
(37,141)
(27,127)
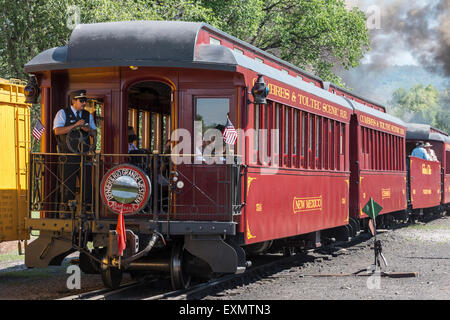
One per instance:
(38,129)
(229,133)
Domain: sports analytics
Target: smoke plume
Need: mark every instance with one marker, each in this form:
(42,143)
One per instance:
(421,29)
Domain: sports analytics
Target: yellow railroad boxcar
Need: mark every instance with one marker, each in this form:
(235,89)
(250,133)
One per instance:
(14,159)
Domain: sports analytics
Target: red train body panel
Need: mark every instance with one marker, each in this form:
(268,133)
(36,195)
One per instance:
(425,180)
(386,189)
(319,201)
(446,174)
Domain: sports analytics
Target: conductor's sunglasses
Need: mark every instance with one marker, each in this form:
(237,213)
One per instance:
(82,100)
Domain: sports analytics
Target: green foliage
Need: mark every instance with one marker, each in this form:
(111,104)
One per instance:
(442,120)
(313,34)
(26,28)
(422,105)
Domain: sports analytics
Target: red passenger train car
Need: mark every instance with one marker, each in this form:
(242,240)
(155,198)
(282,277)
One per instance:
(308,156)
(378,161)
(429,181)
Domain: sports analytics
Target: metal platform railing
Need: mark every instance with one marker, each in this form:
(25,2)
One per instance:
(62,185)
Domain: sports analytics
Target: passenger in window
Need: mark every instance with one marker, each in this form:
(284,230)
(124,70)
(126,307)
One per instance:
(420,152)
(132,137)
(430,152)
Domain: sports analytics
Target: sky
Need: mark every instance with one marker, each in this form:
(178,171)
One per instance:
(408,32)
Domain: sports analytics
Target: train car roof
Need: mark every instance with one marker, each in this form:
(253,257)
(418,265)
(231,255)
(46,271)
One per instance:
(140,43)
(131,43)
(378,104)
(381,115)
(418,131)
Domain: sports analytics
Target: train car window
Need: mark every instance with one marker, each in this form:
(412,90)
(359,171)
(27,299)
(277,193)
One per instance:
(397,152)
(386,151)
(385,148)
(369,149)
(286,136)
(366,148)
(391,153)
(332,143)
(373,138)
(96,108)
(342,143)
(255,135)
(363,140)
(211,112)
(380,150)
(277,127)
(402,155)
(383,151)
(304,145)
(338,145)
(295,133)
(318,136)
(373,149)
(269,127)
(263,136)
(311,141)
(286,130)
(326,144)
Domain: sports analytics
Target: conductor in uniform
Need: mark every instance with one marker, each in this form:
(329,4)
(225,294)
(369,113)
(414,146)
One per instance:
(65,120)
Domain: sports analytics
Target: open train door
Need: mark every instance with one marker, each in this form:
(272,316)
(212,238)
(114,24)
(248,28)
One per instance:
(15,142)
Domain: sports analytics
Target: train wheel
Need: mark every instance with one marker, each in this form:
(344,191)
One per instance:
(179,276)
(111,277)
(288,251)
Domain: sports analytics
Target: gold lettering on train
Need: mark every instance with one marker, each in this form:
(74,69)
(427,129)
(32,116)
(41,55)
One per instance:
(385,194)
(307,204)
(426,169)
(380,124)
(426,191)
(305,101)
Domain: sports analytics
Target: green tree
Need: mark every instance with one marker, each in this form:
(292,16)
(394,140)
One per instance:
(313,34)
(422,104)
(442,120)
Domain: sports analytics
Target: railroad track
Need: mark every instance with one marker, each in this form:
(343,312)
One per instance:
(102,294)
(261,270)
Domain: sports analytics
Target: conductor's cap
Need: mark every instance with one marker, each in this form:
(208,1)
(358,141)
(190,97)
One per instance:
(78,94)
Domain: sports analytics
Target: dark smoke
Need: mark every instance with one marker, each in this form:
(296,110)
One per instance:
(424,31)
